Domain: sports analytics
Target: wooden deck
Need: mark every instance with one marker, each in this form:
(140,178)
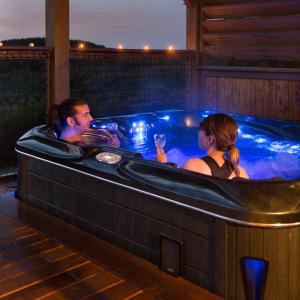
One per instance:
(43,257)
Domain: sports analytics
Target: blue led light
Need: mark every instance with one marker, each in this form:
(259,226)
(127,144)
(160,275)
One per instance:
(138,131)
(166,118)
(255,275)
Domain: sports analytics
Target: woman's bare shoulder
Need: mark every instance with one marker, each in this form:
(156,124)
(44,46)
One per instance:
(243,173)
(197,165)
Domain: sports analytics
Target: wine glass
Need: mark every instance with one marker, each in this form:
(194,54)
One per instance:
(160,140)
(112,127)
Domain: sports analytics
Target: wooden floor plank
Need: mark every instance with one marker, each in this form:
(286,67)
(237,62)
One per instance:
(143,296)
(35,276)
(16,235)
(41,259)
(90,286)
(22,242)
(11,227)
(21,253)
(119,291)
(55,283)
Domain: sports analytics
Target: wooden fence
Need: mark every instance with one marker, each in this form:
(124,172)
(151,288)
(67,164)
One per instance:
(252,31)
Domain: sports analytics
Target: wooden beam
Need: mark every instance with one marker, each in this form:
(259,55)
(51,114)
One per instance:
(255,8)
(277,23)
(253,53)
(289,38)
(193,42)
(57,37)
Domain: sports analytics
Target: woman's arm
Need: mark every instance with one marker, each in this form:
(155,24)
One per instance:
(160,155)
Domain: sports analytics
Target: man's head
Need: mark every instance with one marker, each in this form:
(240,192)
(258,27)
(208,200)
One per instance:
(74,114)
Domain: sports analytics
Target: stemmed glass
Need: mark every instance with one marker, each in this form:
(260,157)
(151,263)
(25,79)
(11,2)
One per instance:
(160,140)
(112,127)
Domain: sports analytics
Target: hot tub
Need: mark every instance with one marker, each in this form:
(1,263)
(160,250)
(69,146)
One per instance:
(199,227)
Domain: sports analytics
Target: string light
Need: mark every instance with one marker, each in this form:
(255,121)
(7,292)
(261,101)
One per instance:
(1,44)
(171,48)
(81,46)
(120,46)
(31,45)
(146,47)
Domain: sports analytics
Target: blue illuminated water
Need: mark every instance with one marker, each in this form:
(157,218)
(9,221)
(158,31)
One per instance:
(268,148)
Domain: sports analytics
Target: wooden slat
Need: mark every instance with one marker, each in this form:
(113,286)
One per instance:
(18,283)
(253,53)
(253,39)
(210,97)
(34,261)
(270,254)
(15,233)
(283,238)
(144,296)
(294,100)
(123,290)
(257,8)
(257,242)
(224,94)
(241,95)
(52,284)
(22,253)
(243,237)
(294,262)
(231,263)
(278,99)
(214,2)
(259,97)
(83,288)
(277,23)
(27,241)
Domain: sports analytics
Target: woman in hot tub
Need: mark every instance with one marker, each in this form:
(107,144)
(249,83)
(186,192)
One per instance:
(217,134)
(72,119)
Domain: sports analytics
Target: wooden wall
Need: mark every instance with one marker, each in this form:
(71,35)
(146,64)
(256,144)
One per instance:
(263,97)
(251,30)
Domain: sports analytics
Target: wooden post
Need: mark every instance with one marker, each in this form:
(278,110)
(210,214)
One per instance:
(57,37)
(193,42)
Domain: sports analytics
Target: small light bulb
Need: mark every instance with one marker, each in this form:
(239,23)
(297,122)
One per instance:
(146,47)
(31,45)
(170,48)
(1,44)
(81,46)
(120,46)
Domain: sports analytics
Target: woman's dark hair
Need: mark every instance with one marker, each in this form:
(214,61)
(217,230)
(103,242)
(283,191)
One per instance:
(60,112)
(223,129)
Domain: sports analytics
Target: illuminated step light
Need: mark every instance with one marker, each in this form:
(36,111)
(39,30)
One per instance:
(254,271)
(31,45)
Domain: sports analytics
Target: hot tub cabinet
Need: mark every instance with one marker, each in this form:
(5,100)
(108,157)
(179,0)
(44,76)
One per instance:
(226,236)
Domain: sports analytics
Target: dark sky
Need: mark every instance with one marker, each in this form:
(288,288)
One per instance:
(110,22)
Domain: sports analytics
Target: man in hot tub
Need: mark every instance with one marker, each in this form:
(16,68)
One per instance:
(72,119)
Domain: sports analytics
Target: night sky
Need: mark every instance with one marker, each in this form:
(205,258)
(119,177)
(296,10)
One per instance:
(132,23)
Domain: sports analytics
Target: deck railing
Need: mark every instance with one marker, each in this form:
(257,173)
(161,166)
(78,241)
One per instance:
(112,81)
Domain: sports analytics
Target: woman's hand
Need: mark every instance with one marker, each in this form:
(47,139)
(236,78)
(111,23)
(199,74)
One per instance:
(160,155)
